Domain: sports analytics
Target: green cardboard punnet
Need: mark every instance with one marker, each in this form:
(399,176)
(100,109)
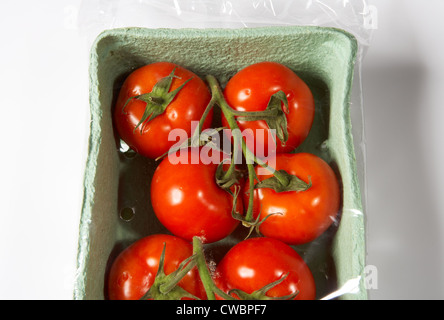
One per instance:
(114,180)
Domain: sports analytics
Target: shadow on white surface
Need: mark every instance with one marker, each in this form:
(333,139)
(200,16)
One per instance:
(403,223)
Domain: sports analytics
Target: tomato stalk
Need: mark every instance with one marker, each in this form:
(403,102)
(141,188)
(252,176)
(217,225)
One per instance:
(210,288)
(203,269)
(209,107)
(230,114)
(196,139)
(275,118)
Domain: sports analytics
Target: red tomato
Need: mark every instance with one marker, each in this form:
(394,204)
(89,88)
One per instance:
(188,201)
(254,263)
(303,215)
(134,270)
(188,105)
(250,90)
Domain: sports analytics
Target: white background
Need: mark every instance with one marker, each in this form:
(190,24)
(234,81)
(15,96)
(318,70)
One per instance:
(44,123)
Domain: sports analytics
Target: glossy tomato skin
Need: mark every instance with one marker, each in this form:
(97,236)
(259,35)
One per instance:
(252,264)
(303,215)
(188,105)
(134,270)
(187,200)
(250,90)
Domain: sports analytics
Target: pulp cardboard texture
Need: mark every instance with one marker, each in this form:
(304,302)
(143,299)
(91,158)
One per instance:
(323,57)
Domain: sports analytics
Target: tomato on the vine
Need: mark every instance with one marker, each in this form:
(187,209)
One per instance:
(253,264)
(297,217)
(250,90)
(133,272)
(187,199)
(156,99)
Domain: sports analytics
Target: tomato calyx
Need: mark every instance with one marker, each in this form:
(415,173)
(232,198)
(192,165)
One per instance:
(157,100)
(293,183)
(260,294)
(273,115)
(255,225)
(229,181)
(165,286)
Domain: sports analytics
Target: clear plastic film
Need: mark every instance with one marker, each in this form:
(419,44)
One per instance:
(342,273)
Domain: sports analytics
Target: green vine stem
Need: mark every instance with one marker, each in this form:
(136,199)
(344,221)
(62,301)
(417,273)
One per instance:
(204,273)
(282,181)
(210,288)
(195,139)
